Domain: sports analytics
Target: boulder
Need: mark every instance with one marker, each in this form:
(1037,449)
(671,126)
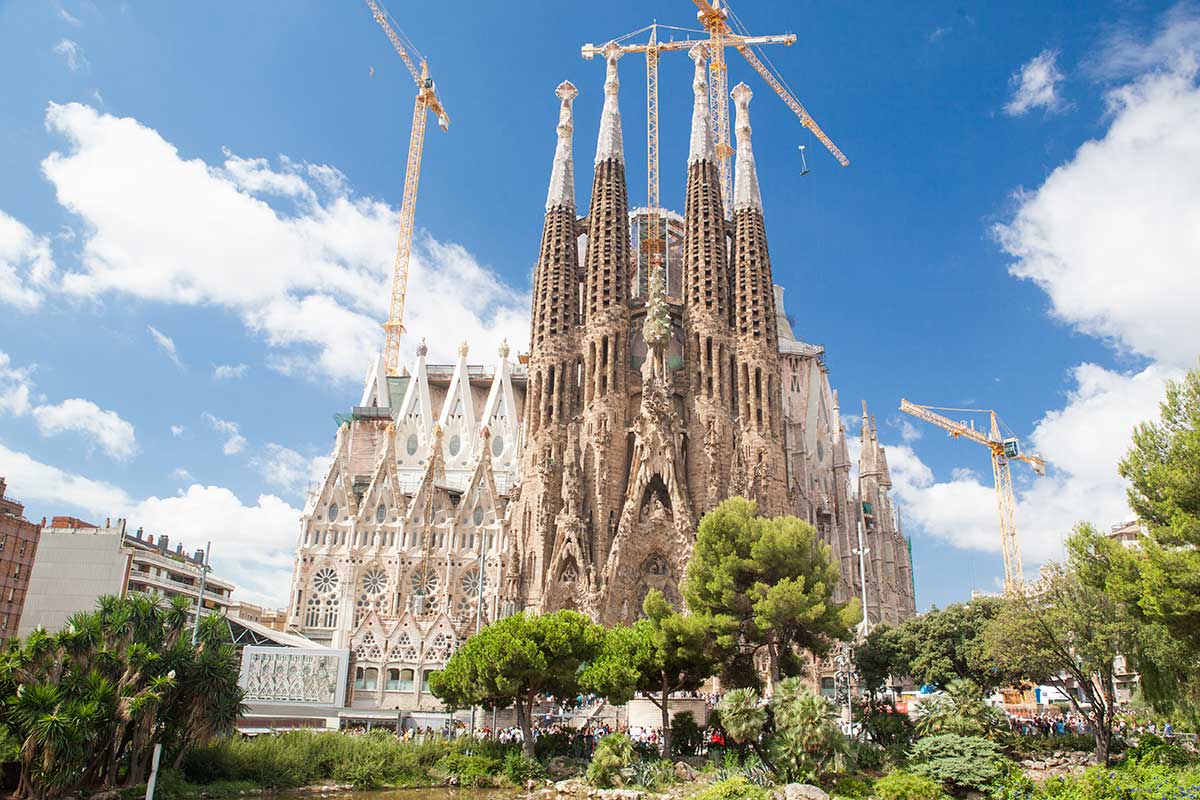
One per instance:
(111,794)
(800,791)
(575,787)
(561,767)
(684,773)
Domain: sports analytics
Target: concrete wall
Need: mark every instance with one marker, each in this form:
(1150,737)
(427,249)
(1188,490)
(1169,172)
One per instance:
(73,568)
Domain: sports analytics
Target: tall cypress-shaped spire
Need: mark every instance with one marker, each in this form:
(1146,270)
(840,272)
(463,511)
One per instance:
(556,277)
(607,260)
(562,174)
(755,292)
(707,278)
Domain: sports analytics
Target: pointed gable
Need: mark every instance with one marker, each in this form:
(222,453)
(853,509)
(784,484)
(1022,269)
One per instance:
(458,418)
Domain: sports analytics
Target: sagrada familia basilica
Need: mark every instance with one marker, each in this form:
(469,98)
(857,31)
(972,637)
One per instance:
(654,388)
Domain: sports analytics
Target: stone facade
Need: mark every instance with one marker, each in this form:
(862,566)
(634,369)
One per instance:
(581,479)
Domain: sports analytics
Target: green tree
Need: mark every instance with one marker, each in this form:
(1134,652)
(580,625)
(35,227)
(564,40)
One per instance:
(742,715)
(513,660)
(960,710)
(88,703)
(1163,470)
(663,653)
(806,738)
(767,585)
(1066,624)
(878,657)
(943,645)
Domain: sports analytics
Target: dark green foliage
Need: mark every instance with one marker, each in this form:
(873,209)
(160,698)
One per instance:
(1150,749)
(686,735)
(513,660)
(766,584)
(883,724)
(519,768)
(613,754)
(663,653)
(1019,746)
(87,704)
(471,770)
(652,773)
(958,762)
(960,709)
(902,785)
(549,745)
(806,738)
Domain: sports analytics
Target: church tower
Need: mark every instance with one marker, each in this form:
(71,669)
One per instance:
(707,306)
(759,463)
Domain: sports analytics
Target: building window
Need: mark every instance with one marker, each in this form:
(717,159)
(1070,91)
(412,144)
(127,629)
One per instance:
(393,680)
(371,679)
(425,679)
(406,680)
(23,547)
(381,513)
(827,687)
(333,512)
(358,677)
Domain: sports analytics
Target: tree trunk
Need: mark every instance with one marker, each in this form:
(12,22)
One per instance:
(523,714)
(665,707)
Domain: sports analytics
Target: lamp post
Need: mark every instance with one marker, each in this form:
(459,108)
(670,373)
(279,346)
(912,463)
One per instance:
(204,568)
(861,552)
(844,678)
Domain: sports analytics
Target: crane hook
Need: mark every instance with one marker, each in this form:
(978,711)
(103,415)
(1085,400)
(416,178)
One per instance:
(803,162)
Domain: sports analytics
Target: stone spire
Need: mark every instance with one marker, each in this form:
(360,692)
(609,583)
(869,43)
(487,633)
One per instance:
(562,175)
(745,185)
(608,145)
(701,148)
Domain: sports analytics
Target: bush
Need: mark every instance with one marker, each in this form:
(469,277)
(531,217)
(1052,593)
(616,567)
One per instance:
(519,768)
(549,745)
(735,788)
(653,774)
(958,762)
(884,725)
(1036,747)
(686,736)
(852,787)
(1152,750)
(867,756)
(613,754)
(806,737)
(470,770)
(902,785)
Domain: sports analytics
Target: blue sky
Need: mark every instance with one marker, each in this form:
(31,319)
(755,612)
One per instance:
(197,220)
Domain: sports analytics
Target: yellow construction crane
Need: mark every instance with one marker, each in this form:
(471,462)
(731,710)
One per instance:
(654,243)
(714,19)
(1003,451)
(427,100)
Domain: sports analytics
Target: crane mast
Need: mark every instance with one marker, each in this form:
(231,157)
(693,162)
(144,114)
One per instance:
(426,101)
(1003,451)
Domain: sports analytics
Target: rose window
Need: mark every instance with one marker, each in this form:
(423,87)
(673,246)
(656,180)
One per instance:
(375,581)
(326,580)
(424,585)
(470,584)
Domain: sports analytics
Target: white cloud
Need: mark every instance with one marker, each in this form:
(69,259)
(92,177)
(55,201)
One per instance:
(72,53)
(1111,234)
(938,33)
(1083,441)
(310,271)
(176,431)
(193,517)
(25,264)
(224,372)
(1175,41)
(1035,85)
(16,386)
(68,17)
(285,468)
(166,343)
(181,474)
(234,441)
(113,434)
(105,428)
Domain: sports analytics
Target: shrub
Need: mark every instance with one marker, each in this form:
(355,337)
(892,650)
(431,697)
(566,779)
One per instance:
(867,756)
(735,788)
(852,787)
(1152,750)
(519,768)
(686,736)
(884,725)
(613,754)
(653,774)
(549,745)
(741,715)
(806,737)
(903,785)
(470,770)
(959,762)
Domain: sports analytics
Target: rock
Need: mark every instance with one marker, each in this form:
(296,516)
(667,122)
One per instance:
(800,791)
(575,787)
(111,794)
(684,773)
(561,767)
